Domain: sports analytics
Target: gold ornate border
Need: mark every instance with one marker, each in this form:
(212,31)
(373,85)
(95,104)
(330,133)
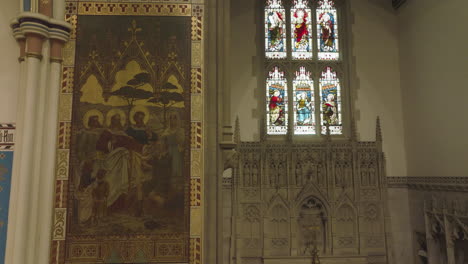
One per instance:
(73,9)
(134,9)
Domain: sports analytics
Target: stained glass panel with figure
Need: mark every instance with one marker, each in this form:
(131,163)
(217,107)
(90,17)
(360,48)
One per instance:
(277,103)
(327,31)
(301,30)
(275,30)
(303,91)
(330,96)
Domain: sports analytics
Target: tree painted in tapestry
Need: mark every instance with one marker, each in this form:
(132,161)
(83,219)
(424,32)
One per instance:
(312,38)
(130,158)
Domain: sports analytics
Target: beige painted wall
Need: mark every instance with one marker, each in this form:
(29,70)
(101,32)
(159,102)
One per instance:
(375,50)
(9,67)
(434,71)
(246,96)
(375,47)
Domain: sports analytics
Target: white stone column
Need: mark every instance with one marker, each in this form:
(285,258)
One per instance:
(58,9)
(24,165)
(12,225)
(46,186)
(31,202)
(22,185)
(35,177)
(50,131)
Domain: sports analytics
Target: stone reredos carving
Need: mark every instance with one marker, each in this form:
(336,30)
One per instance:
(329,195)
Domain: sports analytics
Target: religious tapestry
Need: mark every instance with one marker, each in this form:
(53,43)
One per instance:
(125,184)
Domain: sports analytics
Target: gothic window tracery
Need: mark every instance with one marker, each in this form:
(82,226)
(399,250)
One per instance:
(302,35)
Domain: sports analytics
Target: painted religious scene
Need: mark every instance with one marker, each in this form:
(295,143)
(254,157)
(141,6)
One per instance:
(330,95)
(327,30)
(130,164)
(301,30)
(277,103)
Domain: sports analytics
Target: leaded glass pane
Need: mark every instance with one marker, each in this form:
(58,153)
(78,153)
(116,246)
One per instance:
(327,31)
(301,30)
(277,103)
(330,96)
(303,90)
(275,30)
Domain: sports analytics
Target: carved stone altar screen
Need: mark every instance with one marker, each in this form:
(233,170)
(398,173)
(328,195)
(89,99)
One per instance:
(290,197)
(128,184)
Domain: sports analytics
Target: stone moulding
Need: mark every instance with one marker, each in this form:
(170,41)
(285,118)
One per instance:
(33,23)
(459,184)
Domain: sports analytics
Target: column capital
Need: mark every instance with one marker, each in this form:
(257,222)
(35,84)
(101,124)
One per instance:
(31,29)
(28,23)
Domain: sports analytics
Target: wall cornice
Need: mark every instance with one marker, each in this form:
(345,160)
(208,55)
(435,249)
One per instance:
(458,184)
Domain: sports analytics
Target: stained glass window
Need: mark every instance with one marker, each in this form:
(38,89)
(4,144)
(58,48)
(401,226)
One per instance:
(306,33)
(330,96)
(303,91)
(275,30)
(327,31)
(277,103)
(301,30)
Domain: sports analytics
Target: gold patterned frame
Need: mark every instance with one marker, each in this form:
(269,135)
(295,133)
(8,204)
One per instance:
(181,8)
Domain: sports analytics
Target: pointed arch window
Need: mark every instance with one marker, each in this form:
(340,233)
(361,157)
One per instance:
(275,30)
(302,36)
(277,103)
(304,116)
(327,31)
(330,96)
(301,30)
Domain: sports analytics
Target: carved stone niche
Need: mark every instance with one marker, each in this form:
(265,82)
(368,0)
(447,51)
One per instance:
(312,227)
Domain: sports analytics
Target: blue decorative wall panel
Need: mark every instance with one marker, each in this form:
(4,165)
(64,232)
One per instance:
(6,165)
